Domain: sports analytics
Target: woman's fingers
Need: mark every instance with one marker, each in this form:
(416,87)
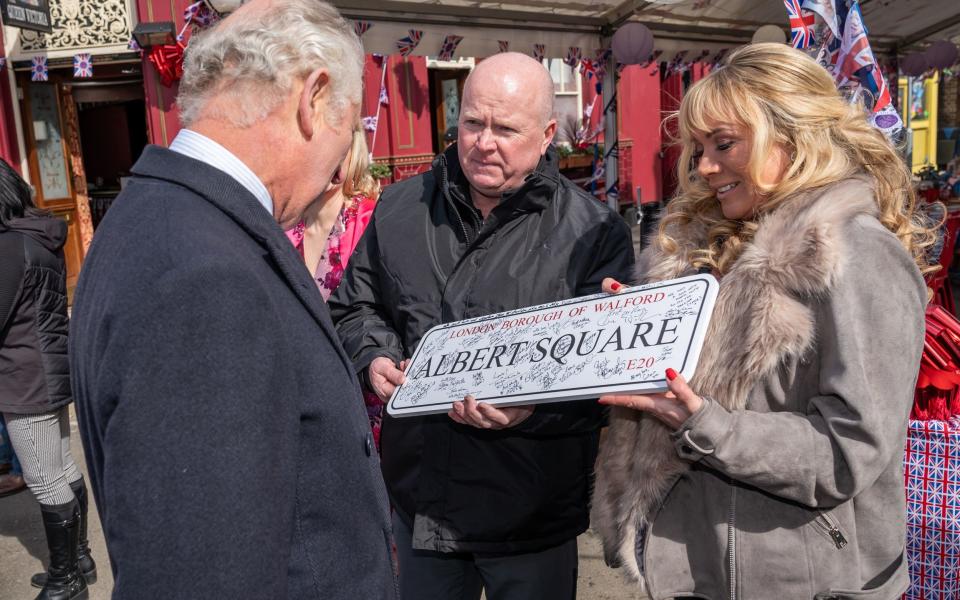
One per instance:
(612,286)
(685,395)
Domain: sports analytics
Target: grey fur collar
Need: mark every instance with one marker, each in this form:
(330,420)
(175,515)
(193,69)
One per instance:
(759,321)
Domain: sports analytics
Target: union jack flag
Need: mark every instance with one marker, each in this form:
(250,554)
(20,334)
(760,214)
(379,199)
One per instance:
(38,69)
(82,66)
(932,470)
(449,46)
(369,123)
(384,99)
(405,45)
(801,24)
(504,45)
(856,59)
(200,14)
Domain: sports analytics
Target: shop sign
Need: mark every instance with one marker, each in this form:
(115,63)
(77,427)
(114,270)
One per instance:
(569,350)
(26,14)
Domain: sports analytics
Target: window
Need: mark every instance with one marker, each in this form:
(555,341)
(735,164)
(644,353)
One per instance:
(568,100)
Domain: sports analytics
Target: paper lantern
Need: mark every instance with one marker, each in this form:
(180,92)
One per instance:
(941,55)
(770,33)
(632,44)
(914,64)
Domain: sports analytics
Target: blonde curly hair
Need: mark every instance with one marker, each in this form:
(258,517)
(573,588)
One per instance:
(782,98)
(357,180)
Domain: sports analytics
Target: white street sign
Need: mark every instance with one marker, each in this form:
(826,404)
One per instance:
(569,350)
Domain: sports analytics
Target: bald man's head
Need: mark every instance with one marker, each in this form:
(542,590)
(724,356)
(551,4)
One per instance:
(517,71)
(506,124)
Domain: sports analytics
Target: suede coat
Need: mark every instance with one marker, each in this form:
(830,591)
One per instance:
(790,478)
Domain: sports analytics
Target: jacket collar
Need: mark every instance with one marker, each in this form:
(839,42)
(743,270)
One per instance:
(234,200)
(537,192)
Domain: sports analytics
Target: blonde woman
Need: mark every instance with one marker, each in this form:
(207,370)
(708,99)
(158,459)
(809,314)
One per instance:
(777,471)
(332,225)
(330,230)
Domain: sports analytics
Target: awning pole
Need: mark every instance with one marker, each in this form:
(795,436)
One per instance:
(610,152)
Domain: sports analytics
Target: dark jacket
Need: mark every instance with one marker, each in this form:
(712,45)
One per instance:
(427,258)
(34,374)
(224,430)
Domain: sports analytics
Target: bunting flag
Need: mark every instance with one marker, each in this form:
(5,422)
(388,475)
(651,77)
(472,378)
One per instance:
(3,62)
(200,14)
(82,66)
(370,123)
(504,45)
(856,59)
(717,59)
(600,58)
(653,58)
(801,24)
(538,50)
(573,57)
(449,46)
(703,55)
(38,70)
(677,64)
(133,45)
(406,45)
(361,27)
(384,99)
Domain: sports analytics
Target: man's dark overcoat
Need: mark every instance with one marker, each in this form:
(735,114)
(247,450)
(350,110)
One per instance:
(227,442)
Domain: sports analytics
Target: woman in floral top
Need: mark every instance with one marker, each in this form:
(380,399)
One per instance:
(330,230)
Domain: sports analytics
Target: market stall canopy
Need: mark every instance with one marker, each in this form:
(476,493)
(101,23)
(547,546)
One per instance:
(677,24)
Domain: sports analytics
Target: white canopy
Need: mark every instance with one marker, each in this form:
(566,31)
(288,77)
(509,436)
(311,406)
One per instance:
(677,24)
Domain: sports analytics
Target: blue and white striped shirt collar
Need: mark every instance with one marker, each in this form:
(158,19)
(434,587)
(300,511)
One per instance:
(200,147)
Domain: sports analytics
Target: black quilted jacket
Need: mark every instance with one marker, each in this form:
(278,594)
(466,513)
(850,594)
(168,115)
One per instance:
(34,374)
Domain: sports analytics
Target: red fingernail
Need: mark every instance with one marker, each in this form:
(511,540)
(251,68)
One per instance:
(671,374)
(615,286)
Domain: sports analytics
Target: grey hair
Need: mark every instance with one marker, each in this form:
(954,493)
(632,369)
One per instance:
(255,58)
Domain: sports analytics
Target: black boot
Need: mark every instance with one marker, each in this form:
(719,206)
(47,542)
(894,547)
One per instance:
(62,526)
(88,568)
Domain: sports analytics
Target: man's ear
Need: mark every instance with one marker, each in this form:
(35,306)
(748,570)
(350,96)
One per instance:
(311,101)
(548,132)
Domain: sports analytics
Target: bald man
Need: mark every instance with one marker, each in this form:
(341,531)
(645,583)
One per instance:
(485,498)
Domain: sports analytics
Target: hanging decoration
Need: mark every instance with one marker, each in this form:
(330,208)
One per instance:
(504,45)
(38,69)
(449,46)
(200,14)
(839,43)
(168,60)
(717,59)
(632,43)
(406,45)
(384,99)
(133,46)
(538,52)
(573,57)
(801,24)
(370,123)
(676,65)
(941,54)
(361,27)
(82,66)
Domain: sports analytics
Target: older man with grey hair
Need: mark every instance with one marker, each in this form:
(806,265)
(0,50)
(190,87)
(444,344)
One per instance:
(224,429)
(484,498)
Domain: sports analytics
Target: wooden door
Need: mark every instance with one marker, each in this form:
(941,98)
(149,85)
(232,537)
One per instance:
(447,88)
(54,170)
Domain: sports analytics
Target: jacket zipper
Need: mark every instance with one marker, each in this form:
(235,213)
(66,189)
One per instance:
(732,542)
(445,184)
(825,522)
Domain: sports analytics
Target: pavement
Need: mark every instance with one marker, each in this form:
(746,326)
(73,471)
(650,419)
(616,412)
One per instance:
(23,551)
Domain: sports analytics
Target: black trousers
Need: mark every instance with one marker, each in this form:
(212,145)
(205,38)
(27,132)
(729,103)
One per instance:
(550,574)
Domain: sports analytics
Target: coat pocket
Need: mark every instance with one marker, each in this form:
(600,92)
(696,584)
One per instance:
(826,525)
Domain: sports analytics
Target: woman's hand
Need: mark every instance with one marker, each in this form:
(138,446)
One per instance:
(486,416)
(672,407)
(612,286)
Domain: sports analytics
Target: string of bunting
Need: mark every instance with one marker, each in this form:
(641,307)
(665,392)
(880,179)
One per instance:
(82,66)
(38,69)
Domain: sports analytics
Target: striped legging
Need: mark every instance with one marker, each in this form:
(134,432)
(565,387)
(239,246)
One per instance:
(42,443)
